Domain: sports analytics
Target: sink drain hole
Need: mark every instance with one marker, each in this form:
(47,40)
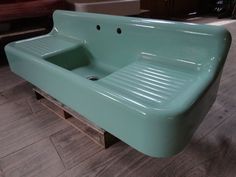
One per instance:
(93,78)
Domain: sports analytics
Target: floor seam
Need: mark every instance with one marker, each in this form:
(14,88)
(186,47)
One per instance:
(92,155)
(50,138)
(23,148)
(31,109)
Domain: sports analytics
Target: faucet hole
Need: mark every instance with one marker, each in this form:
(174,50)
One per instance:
(118,31)
(93,78)
(98,27)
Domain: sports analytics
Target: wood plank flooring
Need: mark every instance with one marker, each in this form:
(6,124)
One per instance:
(39,159)
(74,147)
(35,143)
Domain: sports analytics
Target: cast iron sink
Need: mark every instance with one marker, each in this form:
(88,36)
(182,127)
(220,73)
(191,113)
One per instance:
(148,82)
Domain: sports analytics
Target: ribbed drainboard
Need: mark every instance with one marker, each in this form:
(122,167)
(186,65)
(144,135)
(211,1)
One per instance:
(45,45)
(148,85)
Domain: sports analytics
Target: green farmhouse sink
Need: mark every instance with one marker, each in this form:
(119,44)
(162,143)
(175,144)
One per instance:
(148,82)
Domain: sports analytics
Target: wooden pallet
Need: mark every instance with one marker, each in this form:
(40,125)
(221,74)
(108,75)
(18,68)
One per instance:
(95,133)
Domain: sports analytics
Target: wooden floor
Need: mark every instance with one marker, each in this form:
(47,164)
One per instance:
(35,143)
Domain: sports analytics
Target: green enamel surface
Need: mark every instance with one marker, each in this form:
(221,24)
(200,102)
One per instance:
(157,79)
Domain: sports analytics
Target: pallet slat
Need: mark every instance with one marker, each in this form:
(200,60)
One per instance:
(95,133)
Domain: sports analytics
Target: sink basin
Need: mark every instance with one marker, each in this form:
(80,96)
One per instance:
(79,61)
(148,82)
(112,7)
